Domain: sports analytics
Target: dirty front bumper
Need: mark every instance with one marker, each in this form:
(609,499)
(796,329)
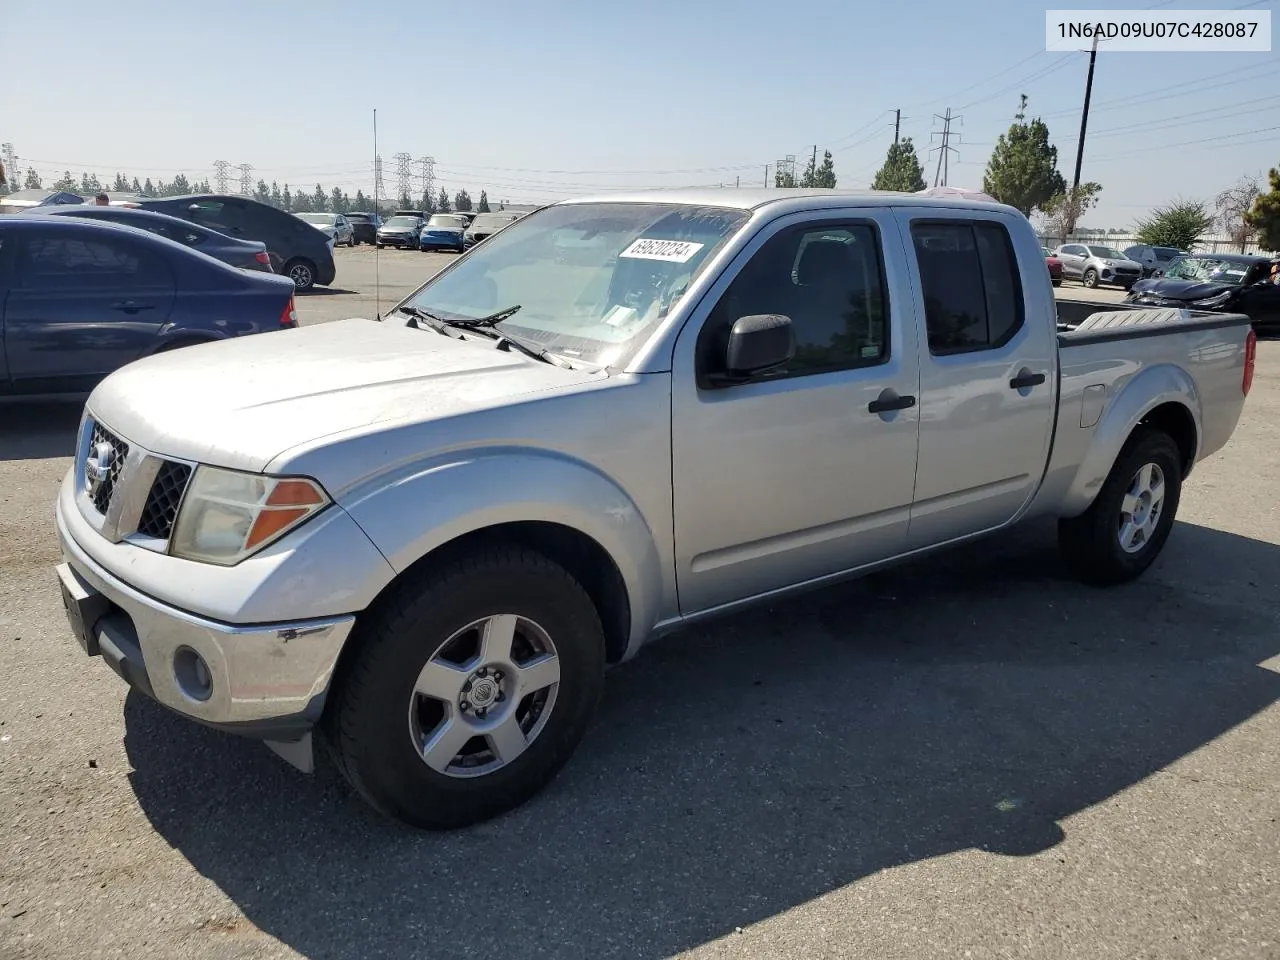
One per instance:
(266,681)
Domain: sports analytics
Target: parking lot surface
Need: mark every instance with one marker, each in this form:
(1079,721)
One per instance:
(971,756)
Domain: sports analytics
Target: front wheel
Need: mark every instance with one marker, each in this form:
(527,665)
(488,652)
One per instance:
(1090,278)
(1126,527)
(301,272)
(469,689)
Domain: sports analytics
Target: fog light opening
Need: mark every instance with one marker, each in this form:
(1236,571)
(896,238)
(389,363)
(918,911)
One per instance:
(193,674)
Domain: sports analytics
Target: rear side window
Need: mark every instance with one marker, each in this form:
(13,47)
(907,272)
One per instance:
(972,290)
(67,263)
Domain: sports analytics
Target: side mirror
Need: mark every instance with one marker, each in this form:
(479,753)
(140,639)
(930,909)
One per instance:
(758,344)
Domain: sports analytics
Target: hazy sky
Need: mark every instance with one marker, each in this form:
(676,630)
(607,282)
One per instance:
(534,101)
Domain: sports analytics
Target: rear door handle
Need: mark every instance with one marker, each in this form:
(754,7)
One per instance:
(131,306)
(1026,380)
(884,404)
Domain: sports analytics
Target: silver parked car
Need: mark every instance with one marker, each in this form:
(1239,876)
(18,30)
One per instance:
(333,225)
(1093,264)
(424,540)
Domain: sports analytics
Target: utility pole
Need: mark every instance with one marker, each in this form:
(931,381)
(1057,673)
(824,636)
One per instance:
(10,160)
(897,122)
(737,181)
(379,188)
(221,174)
(766,175)
(1084,116)
(813,166)
(246,182)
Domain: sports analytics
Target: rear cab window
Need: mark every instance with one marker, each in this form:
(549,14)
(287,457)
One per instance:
(970,282)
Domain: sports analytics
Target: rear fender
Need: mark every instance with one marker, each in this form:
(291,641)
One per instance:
(424,507)
(1151,388)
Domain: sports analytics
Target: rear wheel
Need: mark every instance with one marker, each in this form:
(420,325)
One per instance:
(468,690)
(1057,281)
(1126,527)
(1091,278)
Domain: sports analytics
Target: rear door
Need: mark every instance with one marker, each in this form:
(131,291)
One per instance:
(799,475)
(82,304)
(987,373)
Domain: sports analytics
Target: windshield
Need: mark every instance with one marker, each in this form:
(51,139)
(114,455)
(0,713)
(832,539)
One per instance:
(590,278)
(402,222)
(1208,268)
(1107,253)
(320,219)
(1166,253)
(440,220)
(490,221)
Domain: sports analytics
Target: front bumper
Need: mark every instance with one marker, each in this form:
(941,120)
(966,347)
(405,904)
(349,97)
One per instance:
(267,681)
(440,241)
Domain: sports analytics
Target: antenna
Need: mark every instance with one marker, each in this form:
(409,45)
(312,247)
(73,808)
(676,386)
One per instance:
(377,182)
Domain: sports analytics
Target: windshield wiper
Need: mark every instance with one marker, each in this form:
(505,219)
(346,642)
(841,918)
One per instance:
(491,320)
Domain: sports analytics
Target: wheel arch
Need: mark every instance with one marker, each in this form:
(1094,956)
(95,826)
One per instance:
(1164,397)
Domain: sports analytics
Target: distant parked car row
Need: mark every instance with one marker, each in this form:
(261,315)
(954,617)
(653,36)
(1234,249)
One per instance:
(415,230)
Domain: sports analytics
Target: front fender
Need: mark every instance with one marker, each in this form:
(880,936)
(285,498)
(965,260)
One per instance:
(420,509)
(1149,389)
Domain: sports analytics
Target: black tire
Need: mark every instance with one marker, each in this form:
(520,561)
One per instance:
(1127,286)
(379,244)
(302,272)
(1090,543)
(367,726)
(1090,278)
(1057,282)
(459,249)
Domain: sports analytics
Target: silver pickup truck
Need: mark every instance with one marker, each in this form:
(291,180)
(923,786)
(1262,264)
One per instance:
(422,539)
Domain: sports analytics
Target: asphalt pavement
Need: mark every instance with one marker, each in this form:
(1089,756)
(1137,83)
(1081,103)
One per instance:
(972,756)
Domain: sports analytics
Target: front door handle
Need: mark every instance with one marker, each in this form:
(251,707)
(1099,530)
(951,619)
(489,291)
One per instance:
(1028,379)
(131,306)
(884,404)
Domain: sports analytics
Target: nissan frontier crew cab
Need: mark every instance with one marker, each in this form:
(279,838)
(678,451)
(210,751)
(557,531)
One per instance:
(420,541)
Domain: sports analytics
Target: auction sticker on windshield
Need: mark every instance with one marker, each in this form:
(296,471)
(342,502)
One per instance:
(673,251)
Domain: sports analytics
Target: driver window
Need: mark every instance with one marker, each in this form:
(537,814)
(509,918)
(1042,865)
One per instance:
(830,281)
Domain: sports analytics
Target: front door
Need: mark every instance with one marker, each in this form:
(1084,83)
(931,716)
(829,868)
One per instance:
(807,472)
(80,307)
(988,375)
(1073,257)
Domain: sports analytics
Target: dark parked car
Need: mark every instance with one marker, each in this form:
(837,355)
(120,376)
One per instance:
(402,230)
(246,254)
(365,226)
(1229,283)
(298,250)
(80,298)
(1154,260)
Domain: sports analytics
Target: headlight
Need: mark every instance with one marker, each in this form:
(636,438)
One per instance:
(1218,300)
(227,515)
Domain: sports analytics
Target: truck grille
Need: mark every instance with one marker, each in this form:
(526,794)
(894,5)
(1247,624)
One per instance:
(104,442)
(161,509)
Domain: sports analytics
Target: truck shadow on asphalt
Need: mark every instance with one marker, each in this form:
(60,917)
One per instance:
(39,430)
(975,700)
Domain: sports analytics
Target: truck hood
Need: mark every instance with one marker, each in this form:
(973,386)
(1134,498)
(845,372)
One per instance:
(240,403)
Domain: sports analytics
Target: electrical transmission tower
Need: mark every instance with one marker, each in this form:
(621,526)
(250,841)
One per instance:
(404,175)
(379,188)
(246,181)
(428,176)
(10,165)
(786,168)
(944,149)
(221,174)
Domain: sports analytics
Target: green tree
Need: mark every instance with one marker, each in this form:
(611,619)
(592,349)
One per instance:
(180,186)
(338,201)
(781,179)
(1023,169)
(302,202)
(202,187)
(404,201)
(135,186)
(121,184)
(276,199)
(1265,214)
(33,181)
(1181,224)
(1065,209)
(1233,205)
(362,202)
(262,193)
(286,200)
(90,185)
(810,172)
(442,202)
(67,182)
(319,202)
(483,206)
(149,188)
(427,204)
(462,201)
(901,170)
(825,176)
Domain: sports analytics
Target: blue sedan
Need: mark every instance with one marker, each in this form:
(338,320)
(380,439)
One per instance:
(81,298)
(443,232)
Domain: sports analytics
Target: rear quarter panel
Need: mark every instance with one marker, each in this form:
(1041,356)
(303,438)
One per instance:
(1109,385)
(215,301)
